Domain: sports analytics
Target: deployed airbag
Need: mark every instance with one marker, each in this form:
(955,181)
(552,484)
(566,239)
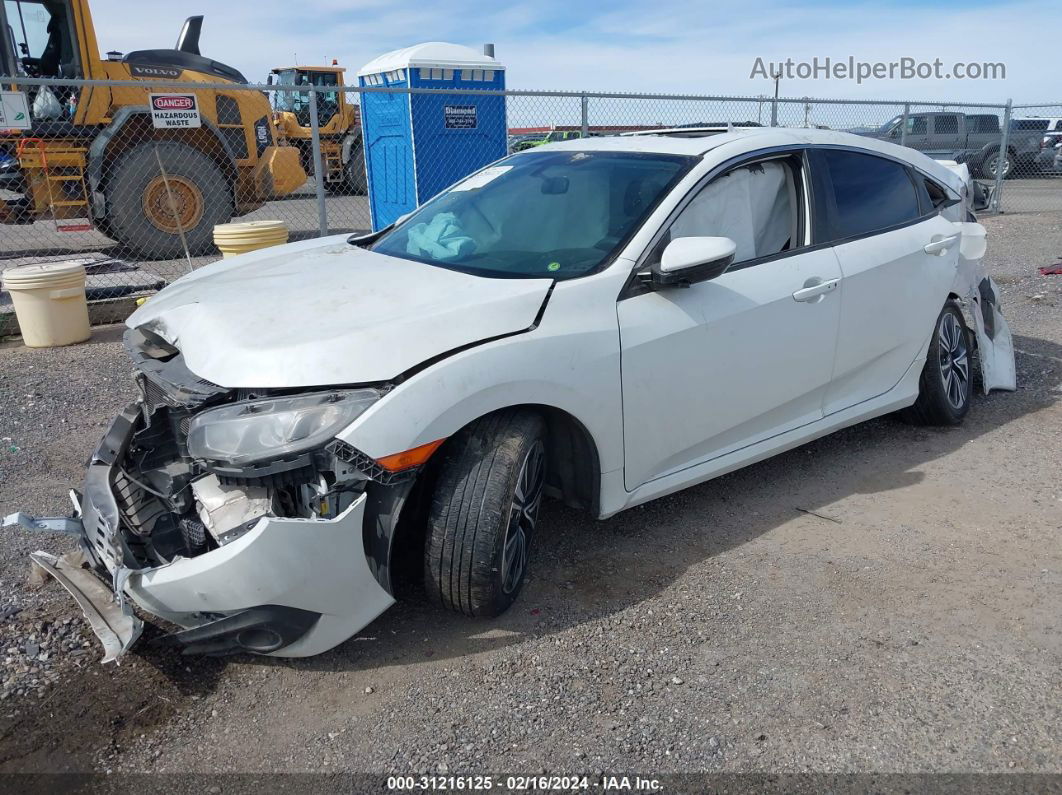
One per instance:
(442,239)
(751,205)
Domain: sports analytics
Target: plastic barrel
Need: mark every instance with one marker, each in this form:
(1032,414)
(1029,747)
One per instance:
(238,238)
(49,302)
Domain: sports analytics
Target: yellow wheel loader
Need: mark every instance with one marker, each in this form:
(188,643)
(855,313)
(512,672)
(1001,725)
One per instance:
(343,163)
(94,157)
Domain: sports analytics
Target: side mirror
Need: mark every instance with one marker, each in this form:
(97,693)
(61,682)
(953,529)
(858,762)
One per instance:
(693,259)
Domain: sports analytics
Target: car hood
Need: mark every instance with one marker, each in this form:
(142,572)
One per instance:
(326,312)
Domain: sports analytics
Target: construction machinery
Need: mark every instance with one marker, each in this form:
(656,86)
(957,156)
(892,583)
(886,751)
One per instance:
(342,160)
(94,157)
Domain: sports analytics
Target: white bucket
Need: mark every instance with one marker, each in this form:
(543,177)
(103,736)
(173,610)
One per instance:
(49,302)
(238,238)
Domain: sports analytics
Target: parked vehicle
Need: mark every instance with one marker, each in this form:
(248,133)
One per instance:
(93,157)
(973,139)
(339,134)
(553,136)
(603,321)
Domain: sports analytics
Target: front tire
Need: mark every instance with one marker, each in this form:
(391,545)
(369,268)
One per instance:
(946,382)
(483,513)
(141,203)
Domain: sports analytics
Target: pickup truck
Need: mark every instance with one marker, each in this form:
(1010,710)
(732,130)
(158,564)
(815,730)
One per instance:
(965,138)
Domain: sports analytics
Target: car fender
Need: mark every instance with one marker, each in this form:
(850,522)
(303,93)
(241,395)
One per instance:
(98,150)
(569,361)
(349,140)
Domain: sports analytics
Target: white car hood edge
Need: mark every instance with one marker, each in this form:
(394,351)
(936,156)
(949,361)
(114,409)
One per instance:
(330,313)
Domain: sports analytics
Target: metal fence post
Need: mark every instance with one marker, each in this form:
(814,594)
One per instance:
(584,103)
(318,166)
(903,124)
(1001,157)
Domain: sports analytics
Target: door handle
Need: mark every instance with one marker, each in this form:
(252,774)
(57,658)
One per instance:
(938,247)
(814,288)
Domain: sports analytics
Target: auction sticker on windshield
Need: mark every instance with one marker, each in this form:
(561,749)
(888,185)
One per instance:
(482,178)
(175,110)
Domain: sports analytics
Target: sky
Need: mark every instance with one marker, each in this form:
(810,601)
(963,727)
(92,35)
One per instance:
(657,46)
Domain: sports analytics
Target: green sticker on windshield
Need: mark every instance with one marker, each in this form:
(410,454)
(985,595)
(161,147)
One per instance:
(553,266)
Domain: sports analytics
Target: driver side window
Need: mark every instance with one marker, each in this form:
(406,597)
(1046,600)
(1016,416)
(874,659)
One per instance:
(758,205)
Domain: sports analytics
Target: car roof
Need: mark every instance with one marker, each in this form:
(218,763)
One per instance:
(747,139)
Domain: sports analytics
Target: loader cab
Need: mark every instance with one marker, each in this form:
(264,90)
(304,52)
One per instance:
(39,39)
(330,103)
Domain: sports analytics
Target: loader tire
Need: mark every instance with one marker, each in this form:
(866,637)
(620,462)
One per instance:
(357,184)
(141,200)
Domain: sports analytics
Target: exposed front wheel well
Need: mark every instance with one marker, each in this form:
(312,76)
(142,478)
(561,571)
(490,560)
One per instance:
(573,468)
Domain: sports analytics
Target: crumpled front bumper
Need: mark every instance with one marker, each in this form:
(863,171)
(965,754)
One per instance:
(288,587)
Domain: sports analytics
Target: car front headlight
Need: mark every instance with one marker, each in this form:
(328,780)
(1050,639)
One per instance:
(274,427)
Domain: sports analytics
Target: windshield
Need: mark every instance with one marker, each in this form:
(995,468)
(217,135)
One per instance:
(39,39)
(298,102)
(554,214)
(887,126)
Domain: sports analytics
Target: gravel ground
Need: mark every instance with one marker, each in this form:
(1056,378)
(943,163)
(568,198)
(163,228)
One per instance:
(885,599)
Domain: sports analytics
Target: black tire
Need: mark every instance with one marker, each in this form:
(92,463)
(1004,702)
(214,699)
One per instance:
(986,168)
(943,400)
(190,173)
(473,513)
(357,183)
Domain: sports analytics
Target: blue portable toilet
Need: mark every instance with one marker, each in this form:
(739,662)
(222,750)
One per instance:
(417,144)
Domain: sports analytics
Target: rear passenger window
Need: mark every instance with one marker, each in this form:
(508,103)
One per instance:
(870,193)
(946,125)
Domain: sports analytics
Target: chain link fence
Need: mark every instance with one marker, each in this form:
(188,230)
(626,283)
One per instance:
(95,180)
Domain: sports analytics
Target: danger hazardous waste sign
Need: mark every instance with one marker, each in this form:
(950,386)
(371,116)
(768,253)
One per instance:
(175,110)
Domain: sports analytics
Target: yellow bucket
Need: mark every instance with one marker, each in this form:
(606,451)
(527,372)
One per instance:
(49,301)
(238,238)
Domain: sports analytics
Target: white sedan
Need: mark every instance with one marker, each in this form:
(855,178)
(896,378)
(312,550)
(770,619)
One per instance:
(603,321)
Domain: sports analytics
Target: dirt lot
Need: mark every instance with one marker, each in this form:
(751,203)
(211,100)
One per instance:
(886,599)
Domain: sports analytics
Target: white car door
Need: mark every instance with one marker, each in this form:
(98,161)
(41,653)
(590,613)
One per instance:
(898,258)
(726,363)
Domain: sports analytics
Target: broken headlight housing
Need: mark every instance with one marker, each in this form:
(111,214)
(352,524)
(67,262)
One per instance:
(255,430)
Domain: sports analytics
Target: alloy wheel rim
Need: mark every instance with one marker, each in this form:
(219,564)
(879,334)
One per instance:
(183,196)
(523,514)
(954,360)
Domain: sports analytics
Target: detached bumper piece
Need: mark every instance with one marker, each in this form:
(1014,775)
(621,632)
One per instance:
(114,624)
(259,630)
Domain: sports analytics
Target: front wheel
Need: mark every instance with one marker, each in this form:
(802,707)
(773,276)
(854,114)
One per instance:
(152,206)
(945,385)
(483,513)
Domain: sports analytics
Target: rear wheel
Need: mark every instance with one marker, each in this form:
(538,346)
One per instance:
(148,211)
(993,162)
(483,514)
(354,169)
(946,383)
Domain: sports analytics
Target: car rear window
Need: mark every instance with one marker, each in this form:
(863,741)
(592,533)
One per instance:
(870,193)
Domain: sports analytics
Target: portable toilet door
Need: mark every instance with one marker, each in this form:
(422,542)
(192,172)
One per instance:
(417,144)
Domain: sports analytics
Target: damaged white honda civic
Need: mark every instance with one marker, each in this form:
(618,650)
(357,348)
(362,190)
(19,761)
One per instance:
(601,321)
